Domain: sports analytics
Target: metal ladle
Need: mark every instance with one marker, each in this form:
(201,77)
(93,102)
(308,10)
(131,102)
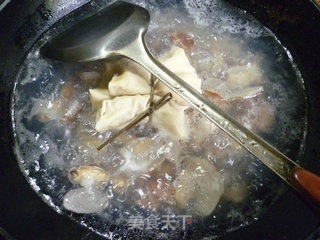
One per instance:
(119,30)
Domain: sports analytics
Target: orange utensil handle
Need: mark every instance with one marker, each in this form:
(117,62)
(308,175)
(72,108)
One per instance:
(307,183)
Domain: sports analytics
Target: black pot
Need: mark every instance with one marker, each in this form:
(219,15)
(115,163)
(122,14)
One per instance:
(25,216)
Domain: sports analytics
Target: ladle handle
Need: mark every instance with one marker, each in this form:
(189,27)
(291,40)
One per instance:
(307,183)
(299,178)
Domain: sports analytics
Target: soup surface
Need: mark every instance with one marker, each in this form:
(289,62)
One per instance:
(174,169)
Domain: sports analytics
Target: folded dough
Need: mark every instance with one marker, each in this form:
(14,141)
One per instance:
(97,95)
(177,61)
(129,83)
(119,111)
(124,64)
(172,119)
(129,78)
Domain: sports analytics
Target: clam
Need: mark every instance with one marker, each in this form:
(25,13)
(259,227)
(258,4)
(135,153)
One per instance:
(90,77)
(49,110)
(244,75)
(198,187)
(88,176)
(67,90)
(236,193)
(182,40)
(141,145)
(88,140)
(154,188)
(256,114)
(119,182)
(85,200)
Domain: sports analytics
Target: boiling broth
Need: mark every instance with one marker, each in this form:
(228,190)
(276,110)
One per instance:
(224,37)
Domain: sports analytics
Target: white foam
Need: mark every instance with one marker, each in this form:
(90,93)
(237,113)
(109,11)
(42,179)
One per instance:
(221,17)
